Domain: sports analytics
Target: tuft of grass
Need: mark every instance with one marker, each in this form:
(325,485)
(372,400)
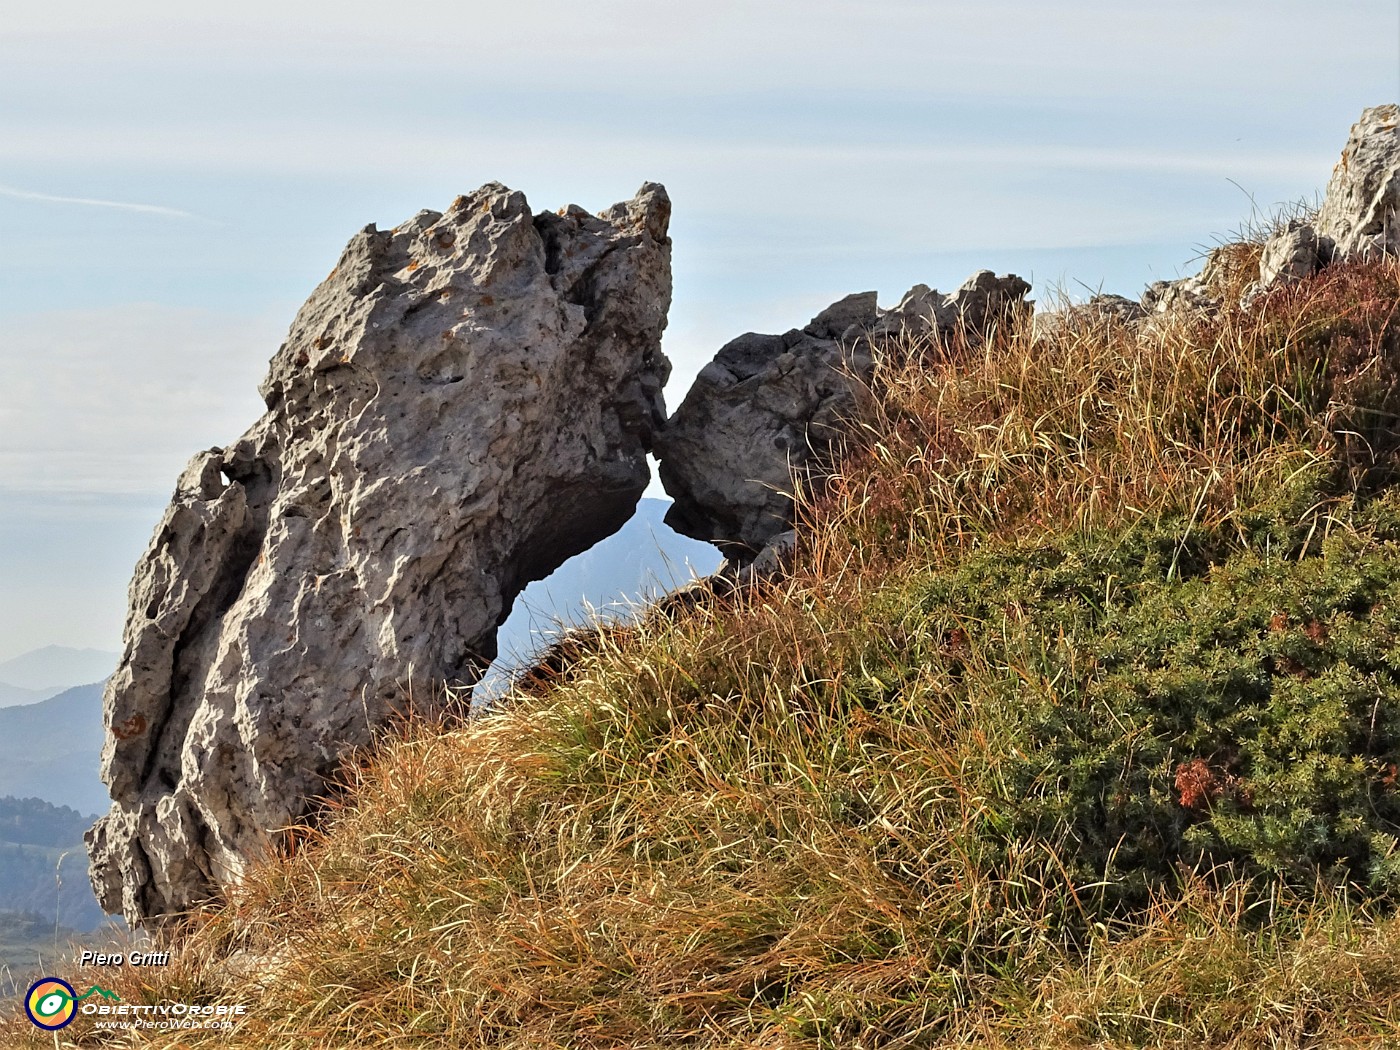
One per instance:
(1076,727)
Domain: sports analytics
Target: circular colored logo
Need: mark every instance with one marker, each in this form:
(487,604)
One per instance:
(50,1003)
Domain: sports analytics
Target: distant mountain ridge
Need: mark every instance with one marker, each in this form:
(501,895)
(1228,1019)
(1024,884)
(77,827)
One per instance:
(47,671)
(50,750)
(12,695)
(50,793)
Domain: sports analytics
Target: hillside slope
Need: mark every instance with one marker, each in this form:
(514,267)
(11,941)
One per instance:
(45,898)
(51,749)
(43,865)
(1077,724)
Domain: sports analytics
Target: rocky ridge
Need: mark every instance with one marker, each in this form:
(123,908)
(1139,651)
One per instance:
(1359,218)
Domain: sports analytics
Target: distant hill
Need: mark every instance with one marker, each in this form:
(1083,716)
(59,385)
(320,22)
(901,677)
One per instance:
(643,559)
(50,750)
(11,695)
(43,864)
(46,901)
(29,946)
(54,668)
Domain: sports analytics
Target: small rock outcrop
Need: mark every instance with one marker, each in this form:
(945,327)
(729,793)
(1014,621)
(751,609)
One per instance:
(1360,213)
(769,411)
(1290,254)
(1227,268)
(1359,218)
(463,404)
(1102,309)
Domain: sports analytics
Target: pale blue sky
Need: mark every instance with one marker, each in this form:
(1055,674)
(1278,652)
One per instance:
(175,179)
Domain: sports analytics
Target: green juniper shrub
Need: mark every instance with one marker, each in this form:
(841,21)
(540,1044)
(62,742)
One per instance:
(1244,714)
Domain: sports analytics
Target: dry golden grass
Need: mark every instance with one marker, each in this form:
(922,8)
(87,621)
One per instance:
(1098,424)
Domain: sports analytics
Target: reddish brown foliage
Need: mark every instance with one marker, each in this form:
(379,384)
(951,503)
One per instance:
(1196,784)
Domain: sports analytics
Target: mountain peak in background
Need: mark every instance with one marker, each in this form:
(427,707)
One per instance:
(41,673)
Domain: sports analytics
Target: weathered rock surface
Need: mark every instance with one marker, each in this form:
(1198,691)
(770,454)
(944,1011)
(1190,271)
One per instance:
(1188,293)
(770,410)
(1227,268)
(765,410)
(463,404)
(1290,254)
(981,302)
(1360,214)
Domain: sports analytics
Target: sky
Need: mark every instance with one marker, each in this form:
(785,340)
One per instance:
(175,179)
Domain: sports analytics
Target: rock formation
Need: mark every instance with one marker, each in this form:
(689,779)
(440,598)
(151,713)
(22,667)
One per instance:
(1103,309)
(1291,253)
(1228,267)
(765,408)
(1360,213)
(769,410)
(464,403)
(1359,217)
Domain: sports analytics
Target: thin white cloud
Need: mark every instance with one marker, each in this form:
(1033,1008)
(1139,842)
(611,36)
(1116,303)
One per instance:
(336,147)
(93,202)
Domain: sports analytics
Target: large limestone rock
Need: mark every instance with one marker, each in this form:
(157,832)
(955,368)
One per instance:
(463,404)
(769,412)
